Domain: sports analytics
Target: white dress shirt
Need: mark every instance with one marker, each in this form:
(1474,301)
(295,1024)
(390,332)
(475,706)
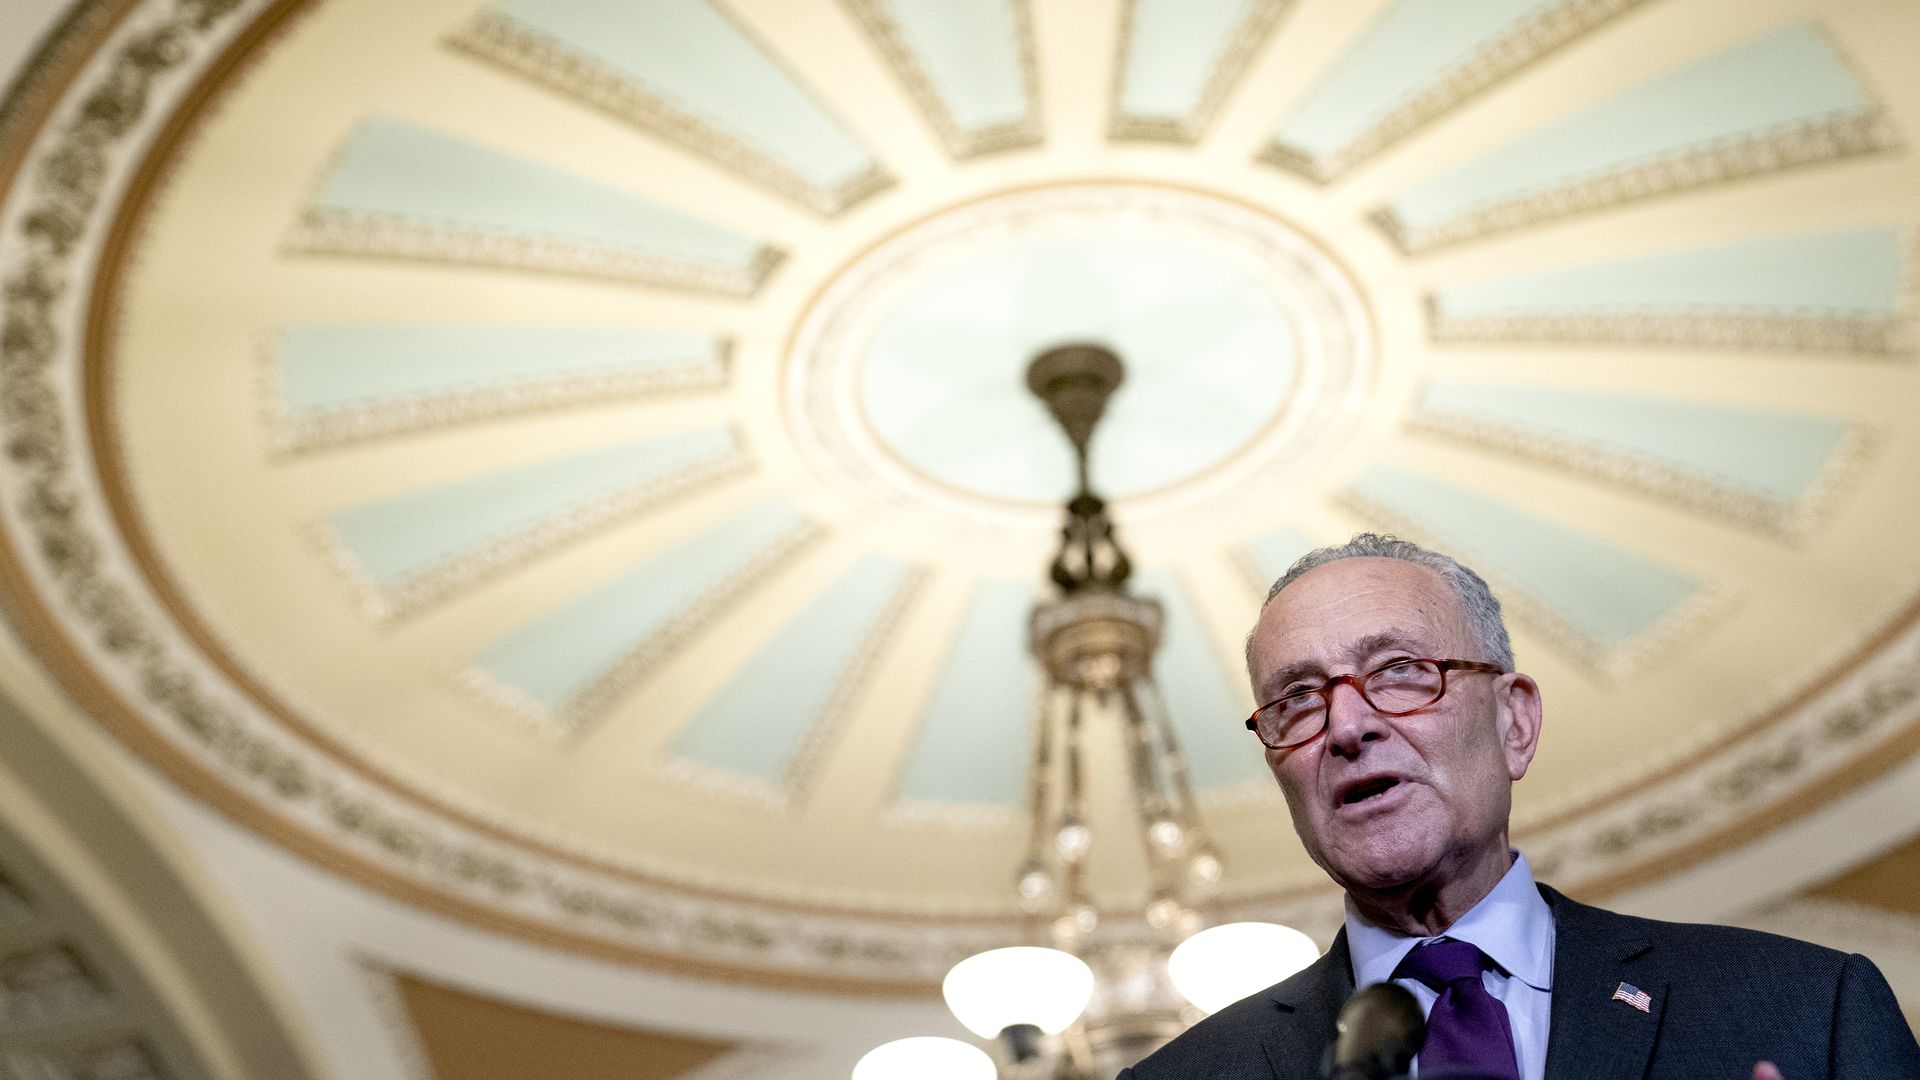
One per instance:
(1513,926)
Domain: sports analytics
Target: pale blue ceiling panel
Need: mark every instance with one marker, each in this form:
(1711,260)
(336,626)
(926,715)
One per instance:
(566,663)
(968,63)
(1419,61)
(401,540)
(1569,580)
(1822,293)
(1181,57)
(1768,470)
(1206,700)
(405,190)
(1776,455)
(1413,45)
(768,722)
(975,732)
(686,70)
(1777,87)
(338,381)
(1859,271)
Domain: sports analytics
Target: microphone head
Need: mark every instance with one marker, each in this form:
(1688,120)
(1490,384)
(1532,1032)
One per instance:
(1381,1027)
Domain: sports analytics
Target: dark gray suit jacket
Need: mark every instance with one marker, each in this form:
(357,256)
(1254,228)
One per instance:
(1723,999)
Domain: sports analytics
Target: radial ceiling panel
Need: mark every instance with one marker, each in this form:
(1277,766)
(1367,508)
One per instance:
(772,722)
(1419,61)
(684,71)
(568,664)
(1840,291)
(1788,98)
(417,547)
(579,476)
(406,191)
(968,64)
(1179,59)
(341,382)
(1603,604)
(1765,467)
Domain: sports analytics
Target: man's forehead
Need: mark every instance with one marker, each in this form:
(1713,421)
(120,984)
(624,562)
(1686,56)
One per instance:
(1352,606)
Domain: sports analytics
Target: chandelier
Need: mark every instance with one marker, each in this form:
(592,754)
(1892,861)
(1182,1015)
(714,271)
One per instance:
(1096,992)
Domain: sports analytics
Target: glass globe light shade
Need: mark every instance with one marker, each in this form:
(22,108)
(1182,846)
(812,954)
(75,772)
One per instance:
(1220,965)
(994,990)
(925,1057)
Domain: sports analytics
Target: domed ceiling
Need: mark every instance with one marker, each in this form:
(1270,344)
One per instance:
(567,462)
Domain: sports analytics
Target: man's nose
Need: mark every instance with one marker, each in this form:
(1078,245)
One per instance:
(1351,722)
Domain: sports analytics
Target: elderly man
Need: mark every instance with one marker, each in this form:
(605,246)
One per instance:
(1396,725)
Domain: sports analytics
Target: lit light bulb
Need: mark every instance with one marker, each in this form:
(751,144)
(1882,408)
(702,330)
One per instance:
(1035,883)
(1073,927)
(1073,838)
(1205,867)
(1162,912)
(1167,835)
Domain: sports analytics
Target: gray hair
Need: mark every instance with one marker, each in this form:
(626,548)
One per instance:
(1477,602)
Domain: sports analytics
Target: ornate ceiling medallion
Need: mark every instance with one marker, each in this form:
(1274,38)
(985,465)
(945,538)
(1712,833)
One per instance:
(951,308)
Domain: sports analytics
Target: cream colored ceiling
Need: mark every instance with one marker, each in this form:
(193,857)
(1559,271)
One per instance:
(566,464)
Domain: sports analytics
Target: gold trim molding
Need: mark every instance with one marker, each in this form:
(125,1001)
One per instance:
(1229,67)
(300,431)
(460,572)
(1651,476)
(1529,40)
(1785,331)
(1827,138)
(322,231)
(1541,618)
(891,40)
(619,679)
(494,37)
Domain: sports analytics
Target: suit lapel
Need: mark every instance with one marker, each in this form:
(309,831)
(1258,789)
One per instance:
(1314,998)
(1590,1034)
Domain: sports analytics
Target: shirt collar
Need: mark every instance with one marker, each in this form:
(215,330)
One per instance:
(1512,925)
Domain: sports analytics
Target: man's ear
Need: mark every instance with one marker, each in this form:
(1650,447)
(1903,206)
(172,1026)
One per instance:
(1516,700)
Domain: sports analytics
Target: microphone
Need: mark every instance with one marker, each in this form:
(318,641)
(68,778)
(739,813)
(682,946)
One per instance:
(1380,1028)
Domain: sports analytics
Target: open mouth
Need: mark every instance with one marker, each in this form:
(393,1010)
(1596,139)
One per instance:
(1368,789)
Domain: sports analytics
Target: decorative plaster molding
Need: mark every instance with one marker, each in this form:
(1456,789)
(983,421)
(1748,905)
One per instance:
(119,1057)
(48,985)
(300,431)
(1530,39)
(619,679)
(824,729)
(1809,331)
(326,231)
(1335,340)
(1616,662)
(1827,138)
(1871,707)
(500,39)
(1255,27)
(462,571)
(873,17)
(1723,501)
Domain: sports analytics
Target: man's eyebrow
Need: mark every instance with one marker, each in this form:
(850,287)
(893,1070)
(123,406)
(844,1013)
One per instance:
(1376,642)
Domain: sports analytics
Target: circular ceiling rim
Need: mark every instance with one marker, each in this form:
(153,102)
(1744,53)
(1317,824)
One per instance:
(51,639)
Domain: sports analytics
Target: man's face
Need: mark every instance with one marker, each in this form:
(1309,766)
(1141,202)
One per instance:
(1384,802)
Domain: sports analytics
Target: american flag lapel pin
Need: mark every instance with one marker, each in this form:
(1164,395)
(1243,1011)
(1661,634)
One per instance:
(1633,996)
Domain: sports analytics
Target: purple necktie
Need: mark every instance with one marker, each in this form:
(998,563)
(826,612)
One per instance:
(1467,1030)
